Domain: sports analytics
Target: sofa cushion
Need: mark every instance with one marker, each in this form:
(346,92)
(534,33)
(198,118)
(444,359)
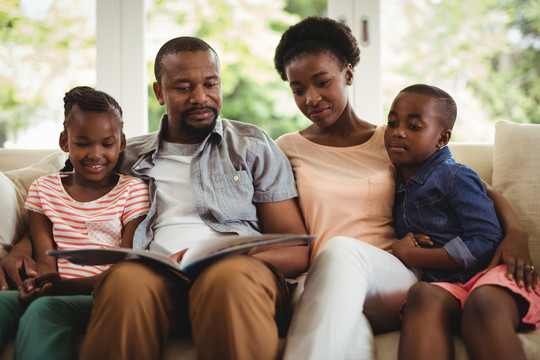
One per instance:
(13,192)
(516,174)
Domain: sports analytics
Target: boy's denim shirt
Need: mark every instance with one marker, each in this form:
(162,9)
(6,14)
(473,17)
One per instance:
(235,167)
(447,201)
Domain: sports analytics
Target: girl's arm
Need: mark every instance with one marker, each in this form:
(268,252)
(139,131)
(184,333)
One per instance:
(129,230)
(42,240)
(514,248)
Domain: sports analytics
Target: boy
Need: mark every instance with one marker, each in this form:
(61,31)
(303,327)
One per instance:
(449,229)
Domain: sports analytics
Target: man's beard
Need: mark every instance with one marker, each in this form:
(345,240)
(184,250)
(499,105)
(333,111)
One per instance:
(202,130)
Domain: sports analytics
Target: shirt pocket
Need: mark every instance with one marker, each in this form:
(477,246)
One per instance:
(106,232)
(234,194)
(380,199)
(435,214)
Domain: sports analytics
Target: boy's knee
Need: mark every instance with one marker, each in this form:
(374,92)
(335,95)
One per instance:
(423,295)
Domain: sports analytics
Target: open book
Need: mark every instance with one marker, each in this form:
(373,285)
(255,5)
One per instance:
(195,258)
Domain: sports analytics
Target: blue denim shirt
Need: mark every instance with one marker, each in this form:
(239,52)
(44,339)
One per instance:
(236,166)
(447,201)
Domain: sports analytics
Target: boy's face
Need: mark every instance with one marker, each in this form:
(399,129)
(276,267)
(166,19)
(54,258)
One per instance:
(414,131)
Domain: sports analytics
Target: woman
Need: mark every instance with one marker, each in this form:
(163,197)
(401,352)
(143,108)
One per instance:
(345,182)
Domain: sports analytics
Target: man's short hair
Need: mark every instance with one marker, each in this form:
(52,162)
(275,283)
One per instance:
(177,45)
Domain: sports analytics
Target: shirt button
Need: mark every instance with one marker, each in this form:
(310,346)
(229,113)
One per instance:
(137,167)
(235,178)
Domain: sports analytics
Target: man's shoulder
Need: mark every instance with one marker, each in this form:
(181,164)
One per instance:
(234,127)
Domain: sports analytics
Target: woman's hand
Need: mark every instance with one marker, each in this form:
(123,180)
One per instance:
(514,252)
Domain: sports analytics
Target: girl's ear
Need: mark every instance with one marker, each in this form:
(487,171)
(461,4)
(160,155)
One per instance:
(444,138)
(63,142)
(123,143)
(349,74)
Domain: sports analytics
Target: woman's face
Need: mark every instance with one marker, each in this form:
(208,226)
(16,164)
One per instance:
(319,86)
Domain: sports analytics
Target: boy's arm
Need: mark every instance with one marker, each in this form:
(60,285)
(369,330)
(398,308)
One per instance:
(284,217)
(514,248)
(408,251)
(18,261)
(42,240)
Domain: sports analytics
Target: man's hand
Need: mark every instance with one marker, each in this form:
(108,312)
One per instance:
(15,264)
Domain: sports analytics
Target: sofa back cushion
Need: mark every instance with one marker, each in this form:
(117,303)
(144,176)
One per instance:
(516,174)
(14,186)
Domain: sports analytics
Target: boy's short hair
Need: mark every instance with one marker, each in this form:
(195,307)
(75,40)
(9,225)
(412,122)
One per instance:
(446,106)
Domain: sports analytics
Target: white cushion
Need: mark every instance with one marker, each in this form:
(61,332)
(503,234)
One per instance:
(516,174)
(14,186)
(10,216)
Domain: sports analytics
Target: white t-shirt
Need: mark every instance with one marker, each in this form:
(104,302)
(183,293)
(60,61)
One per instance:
(177,225)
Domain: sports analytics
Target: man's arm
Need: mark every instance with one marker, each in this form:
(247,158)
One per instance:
(18,261)
(284,217)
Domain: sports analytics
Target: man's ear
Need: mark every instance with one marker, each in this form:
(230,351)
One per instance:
(157,91)
(444,138)
(63,142)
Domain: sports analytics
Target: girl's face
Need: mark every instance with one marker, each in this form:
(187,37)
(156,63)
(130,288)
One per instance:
(94,142)
(319,86)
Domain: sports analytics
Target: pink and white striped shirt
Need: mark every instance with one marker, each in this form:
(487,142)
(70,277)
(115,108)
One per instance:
(96,223)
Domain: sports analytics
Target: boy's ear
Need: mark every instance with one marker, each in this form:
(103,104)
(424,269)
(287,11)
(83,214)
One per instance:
(63,142)
(444,138)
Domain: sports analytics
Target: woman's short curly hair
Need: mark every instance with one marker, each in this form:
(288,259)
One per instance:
(313,35)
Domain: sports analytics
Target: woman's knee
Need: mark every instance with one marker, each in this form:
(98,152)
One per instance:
(491,303)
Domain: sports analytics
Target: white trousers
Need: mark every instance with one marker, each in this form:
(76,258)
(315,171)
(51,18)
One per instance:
(351,288)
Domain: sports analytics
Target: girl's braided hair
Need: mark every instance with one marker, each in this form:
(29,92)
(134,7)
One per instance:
(88,99)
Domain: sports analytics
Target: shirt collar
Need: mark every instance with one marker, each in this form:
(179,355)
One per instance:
(152,146)
(425,170)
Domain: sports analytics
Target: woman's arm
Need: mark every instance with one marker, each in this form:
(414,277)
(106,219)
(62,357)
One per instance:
(514,249)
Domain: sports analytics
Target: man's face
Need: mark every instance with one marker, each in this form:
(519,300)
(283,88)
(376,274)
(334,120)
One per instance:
(190,89)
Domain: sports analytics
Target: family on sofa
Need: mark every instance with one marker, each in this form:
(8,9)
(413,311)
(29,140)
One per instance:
(208,176)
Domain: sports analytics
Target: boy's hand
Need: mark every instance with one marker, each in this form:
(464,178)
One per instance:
(42,285)
(12,266)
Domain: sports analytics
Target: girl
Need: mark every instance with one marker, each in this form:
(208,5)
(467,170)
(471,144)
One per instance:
(87,204)
(345,182)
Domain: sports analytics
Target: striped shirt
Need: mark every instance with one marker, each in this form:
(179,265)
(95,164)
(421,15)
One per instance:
(96,223)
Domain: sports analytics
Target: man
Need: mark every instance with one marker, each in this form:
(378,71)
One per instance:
(208,176)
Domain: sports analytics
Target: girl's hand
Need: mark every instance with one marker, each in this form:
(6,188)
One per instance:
(33,288)
(514,252)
